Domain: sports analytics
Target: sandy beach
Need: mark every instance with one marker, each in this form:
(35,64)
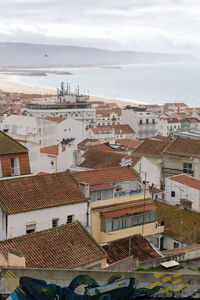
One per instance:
(8,85)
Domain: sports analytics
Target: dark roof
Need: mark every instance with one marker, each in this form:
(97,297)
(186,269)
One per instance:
(184,146)
(106,175)
(152,147)
(173,216)
(64,247)
(136,246)
(102,159)
(9,146)
(35,192)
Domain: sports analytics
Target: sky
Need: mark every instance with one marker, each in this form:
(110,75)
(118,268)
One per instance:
(169,26)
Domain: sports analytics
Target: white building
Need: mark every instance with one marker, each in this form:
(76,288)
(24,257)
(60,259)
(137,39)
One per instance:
(108,116)
(168,126)
(45,131)
(78,111)
(141,120)
(34,203)
(111,133)
(183,189)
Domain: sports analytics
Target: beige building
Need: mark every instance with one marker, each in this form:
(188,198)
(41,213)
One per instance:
(182,156)
(117,218)
(108,116)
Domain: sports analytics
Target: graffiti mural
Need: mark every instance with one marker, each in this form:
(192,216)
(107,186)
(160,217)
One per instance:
(114,289)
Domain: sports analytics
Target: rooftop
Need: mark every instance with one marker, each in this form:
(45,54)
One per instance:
(36,192)
(106,175)
(108,112)
(64,247)
(187,180)
(102,159)
(152,147)
(135,245)
(9,146)
(55,119)
(52,150)
(123,129)
(180,223)
(184,146)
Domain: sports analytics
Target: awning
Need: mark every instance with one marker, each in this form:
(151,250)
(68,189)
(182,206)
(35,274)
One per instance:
(128,210)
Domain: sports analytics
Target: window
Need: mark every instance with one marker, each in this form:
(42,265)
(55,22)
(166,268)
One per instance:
(98,195)
(172,194)
(14,163)
(153,121)
(176,245)
(147,121)
(55,222)
(118,223)
(140,121)
(70,219)
(31,227)
(187,168)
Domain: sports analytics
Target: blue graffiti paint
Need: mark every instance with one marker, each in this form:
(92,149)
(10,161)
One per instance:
(114,289)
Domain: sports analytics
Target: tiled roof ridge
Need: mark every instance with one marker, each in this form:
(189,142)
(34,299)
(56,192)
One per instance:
(41,232)
(68,171)
(170,144)
(30,175)
(14,141)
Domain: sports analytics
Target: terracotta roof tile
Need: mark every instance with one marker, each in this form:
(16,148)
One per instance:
(187,180)
(152,147)
(183,146)
(128,210)
(106,175)
(136,246)
(101,159)
(88,142)
(52,150)
(64,247)
(123,129)
(108,112)
(36,192)
(100,147)
(9,145)
(174,216)
(55,119)
(128,144)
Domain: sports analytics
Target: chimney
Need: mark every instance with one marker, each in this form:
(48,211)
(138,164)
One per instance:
(16,258)
(85,189)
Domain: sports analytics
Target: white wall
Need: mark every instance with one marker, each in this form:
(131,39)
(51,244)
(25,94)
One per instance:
(43,218)
(181,191)
(153,172)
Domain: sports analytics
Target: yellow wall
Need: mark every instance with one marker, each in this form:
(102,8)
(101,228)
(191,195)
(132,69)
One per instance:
(103,237)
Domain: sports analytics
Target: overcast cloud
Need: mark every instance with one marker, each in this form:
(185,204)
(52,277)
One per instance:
(140,25)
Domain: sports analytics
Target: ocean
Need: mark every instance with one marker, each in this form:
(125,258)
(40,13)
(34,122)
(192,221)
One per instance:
(158,83)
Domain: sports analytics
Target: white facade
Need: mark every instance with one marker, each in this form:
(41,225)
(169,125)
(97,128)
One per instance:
(109,135)
(143,122)
(42,218)
(43,131)
(149,170)
(175,191)
(167,127)
(87,115)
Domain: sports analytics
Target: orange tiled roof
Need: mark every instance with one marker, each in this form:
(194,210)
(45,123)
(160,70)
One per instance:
(88,142)
(123,129)
(135,245)
(102,159)
(152,147)
(8,145)
(64,247)
(108,112)
(99,147)
(187,180)
(35,192)
(128,210)
(173,217)
(126,143)
(106,175)
(183,146)
(52,150)
(55,119)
